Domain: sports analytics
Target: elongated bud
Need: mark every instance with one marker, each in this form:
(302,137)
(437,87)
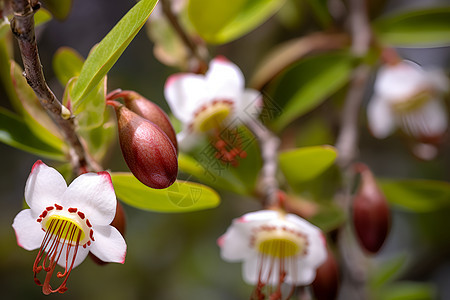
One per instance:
(371,215)
(120,223)
(148,110)
(326,283)
(147,150)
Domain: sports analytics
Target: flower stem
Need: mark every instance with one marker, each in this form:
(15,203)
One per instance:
(269,144)
(193,47)
(22,26)
(354,263)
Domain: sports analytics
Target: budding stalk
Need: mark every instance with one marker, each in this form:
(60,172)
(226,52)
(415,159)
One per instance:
(371,215)
(148,152)
(148,110)
(326,284)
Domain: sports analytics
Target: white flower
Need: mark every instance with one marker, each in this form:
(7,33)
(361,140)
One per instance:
(408,96)
(206,103)
(66,222)
(275,248)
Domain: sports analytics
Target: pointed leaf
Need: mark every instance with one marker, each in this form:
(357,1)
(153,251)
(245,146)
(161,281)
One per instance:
(67,63)
(387,271)
(108,51)
(220,21)
(210,174)
(89,114)
(182,196)
(416,195)
(99,139)
(408,290)
(14,132)
(420,28)
(306,163)
(34,115)
(307,84)
(329,217)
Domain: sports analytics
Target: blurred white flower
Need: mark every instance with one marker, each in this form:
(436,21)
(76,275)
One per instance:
(409,97)
(206,103)
(275,248)
(66,222)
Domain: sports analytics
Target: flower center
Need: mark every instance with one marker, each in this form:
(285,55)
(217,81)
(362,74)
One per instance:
(412,103)
(65,230)
(280,242)
(212,115)
(279,249)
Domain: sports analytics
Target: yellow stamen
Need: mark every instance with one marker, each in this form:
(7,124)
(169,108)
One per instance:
(64,226)
(412,103)
(212,116)
(280,243)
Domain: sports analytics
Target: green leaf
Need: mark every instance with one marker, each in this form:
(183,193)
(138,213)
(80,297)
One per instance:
(206,167)
(182,196)
(108,51)
(421,28)
(416,195)
(59,8)
(387,271)
(41,17)
(408,290)
(329,217)
(168,46)
(219,21)
(14,132)
(99,139)
(5,28)
(303,164)
(90,112)
(27,104)
(306,84)
(212,174)
(67,63)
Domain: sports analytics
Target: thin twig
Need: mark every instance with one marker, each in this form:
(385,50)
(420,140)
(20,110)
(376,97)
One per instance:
(361,38)
(269,144)
(354,263)
(193,47)
(22,25)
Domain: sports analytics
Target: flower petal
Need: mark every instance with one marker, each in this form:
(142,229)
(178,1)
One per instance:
(400,81)
(187,140)
(261,215)
(380,118)
(93,194)
(185,93)
(109,244)
(250,270)
(302,276)
(432,118)
(28,231)
(224,79)
(235,243)
(44,187)
(250,105)
(81,256)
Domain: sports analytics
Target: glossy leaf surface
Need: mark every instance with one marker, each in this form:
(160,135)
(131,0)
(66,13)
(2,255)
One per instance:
(182,196)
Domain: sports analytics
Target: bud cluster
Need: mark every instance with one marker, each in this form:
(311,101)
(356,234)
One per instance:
(147,139)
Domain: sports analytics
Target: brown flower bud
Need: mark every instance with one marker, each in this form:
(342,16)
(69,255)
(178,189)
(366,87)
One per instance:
(148,110)
(147,150)
(120,223)
(326,283)
(371,215)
